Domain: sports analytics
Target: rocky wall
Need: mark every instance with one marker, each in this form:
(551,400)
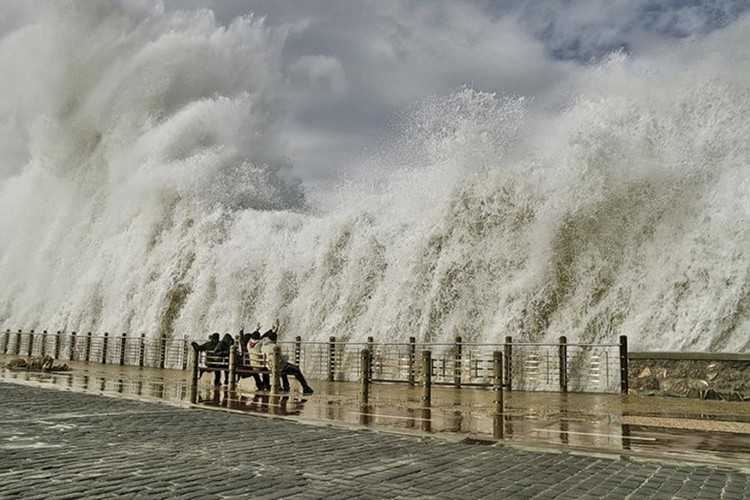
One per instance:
(690,375)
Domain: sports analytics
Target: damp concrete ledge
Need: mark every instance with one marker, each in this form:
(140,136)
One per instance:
(697,356)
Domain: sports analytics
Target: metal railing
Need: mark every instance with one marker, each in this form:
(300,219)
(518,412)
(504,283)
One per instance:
(105,349)
(527,366)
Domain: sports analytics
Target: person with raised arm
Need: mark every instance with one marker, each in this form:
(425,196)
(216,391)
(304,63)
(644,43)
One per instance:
(267,341)
(248,342)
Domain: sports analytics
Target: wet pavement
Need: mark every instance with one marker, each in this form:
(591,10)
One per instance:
(67,445)
(715,432)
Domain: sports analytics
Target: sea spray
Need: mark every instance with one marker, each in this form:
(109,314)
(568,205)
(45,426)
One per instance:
(144,187)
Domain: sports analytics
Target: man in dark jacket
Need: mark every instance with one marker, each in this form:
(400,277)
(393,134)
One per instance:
(222,351)
(213,341)
(222,348)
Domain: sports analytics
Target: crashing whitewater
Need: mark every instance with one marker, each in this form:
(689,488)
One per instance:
(144,188)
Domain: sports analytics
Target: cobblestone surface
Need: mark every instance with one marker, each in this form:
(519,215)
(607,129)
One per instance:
(65,445)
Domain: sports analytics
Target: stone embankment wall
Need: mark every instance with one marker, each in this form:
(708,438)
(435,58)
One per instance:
(690,375)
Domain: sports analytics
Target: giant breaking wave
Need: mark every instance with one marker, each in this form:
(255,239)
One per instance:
(144,188)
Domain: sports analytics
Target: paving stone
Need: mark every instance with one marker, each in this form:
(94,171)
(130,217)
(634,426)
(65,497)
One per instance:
(109,447)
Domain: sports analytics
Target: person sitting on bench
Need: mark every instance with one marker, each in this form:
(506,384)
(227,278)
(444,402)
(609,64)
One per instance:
(222,348)
(222,351)
(213,341)
(267,341)
(247,340)
(255,350)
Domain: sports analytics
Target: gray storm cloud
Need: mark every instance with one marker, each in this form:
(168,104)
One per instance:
(350,68)
(374,58)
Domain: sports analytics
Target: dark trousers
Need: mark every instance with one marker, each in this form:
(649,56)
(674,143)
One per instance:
(290,369)
(260,384)
(286,370)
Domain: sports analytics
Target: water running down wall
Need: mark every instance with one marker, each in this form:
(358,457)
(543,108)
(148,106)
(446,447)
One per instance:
(143,188)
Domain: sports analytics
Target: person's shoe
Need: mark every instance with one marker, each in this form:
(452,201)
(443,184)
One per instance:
(307,391)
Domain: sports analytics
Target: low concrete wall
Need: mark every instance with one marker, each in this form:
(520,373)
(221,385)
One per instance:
(720,376)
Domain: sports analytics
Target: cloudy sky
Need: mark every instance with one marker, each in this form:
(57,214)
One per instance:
(354,67)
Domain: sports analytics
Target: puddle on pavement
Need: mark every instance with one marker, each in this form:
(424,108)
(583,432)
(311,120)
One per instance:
(682,429)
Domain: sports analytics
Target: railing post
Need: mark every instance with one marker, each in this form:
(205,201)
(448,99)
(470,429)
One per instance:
(563,362)
(497,361)
(72,350)
(44,343)
(185,344)
(31,343)
(624,385)
(371,348)
(193,379)
(18,343)
(57,344)
(426,377)
(6,341)
(457,363)
(276,370)
(142,350)
(88,347)
(162,352)
(105,348)
(123,344)
(508,348)
(331,359)
(412,358)
(297,349)
(365,370)
(233,367)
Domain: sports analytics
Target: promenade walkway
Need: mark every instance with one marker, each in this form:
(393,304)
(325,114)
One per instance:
(711,432)
(60,444)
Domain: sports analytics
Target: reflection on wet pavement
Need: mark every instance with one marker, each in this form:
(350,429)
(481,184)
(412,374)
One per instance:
(149,383)
(714,431)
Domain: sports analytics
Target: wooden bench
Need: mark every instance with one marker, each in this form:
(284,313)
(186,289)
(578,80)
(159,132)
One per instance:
(252,363)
